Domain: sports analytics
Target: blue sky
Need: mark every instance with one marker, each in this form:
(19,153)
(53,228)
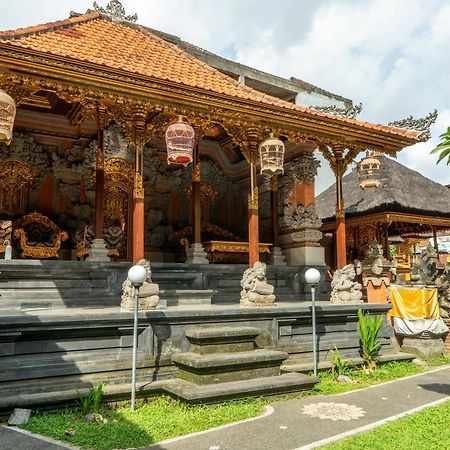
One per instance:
(390,55)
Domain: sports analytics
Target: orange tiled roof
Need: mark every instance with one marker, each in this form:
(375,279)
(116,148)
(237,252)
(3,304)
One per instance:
(133,48)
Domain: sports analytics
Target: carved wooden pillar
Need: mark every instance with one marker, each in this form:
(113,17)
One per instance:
(341,245)
(386,242)
(138,192)
(253,218)
(196,254)
(275,226)
(98,250)
(100,174)
(196,204)
(435,242)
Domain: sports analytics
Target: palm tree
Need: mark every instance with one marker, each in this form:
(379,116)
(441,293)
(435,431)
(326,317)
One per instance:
(444,147)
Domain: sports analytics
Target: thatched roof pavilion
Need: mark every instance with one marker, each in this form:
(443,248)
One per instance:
(405,204)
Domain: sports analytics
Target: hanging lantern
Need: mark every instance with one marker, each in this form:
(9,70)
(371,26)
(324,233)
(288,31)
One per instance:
(271,152)
(368,171)
(7,116)
(180,139)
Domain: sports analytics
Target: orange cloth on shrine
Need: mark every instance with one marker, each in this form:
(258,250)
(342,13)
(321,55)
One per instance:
(421,303)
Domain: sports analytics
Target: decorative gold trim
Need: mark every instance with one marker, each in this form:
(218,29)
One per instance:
(253,200)
(389,217)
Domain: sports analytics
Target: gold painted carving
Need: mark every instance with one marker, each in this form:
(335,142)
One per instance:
(138,191)
(253,199)
(45,227)
(16,179)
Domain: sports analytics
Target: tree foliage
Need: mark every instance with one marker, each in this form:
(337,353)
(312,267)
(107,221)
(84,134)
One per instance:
(444,147)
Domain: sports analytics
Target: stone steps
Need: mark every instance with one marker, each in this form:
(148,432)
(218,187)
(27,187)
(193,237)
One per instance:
(266,386)
(224,362)
(234,366)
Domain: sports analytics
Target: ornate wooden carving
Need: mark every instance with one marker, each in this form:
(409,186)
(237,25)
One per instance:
(16,179)
(38,236)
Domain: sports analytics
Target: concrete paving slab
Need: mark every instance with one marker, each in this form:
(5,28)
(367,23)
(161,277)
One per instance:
(12,438)
(302,423)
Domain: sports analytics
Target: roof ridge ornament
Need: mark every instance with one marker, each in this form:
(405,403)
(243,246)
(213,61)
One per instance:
(350,112)
(423,124)
(116,10)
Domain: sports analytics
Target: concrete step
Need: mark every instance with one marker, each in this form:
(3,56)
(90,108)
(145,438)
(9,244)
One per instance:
(324,365)
(221,367)
(228,361)
(222,339)
(215,393)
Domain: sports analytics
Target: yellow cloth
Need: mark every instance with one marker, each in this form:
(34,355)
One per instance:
(421,303)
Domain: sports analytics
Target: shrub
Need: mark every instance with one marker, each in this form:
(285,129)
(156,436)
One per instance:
(340,365)
(369,329)
(91,402)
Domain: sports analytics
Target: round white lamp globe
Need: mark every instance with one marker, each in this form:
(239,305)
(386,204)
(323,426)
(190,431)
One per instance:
(312,276)
(137,275)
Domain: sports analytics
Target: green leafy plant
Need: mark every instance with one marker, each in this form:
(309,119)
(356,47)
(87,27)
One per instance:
(444,147)
(340,365)
(369,329)
(92,401)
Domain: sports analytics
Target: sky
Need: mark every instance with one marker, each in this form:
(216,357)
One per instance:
(391,55)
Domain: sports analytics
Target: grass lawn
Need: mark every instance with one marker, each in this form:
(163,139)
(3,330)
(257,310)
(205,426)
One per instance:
(426,430)
(159,419)
(162,417)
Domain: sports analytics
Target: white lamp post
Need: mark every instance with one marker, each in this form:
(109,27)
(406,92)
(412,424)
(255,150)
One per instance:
(137,275)
(312,277)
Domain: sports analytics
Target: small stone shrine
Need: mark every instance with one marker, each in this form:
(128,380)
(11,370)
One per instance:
(376,271)
(416,309)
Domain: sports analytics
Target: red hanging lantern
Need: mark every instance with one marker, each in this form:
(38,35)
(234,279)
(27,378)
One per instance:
(180,141)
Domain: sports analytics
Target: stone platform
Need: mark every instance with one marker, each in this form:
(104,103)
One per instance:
(32,285)
(45,356)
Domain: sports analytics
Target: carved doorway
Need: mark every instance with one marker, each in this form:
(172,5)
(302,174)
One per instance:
(118,193)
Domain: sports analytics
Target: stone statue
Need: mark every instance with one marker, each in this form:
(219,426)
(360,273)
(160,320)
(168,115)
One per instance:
(148,293)
(256,291)
(443,285)
(424,271)
(344,288)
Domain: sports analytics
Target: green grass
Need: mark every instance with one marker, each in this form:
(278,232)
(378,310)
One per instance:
(383,372)
(425,430)
(162,417)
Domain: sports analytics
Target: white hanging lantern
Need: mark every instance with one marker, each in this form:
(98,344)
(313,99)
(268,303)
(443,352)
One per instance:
(180,140)
(7,116)
(271,152)
(368,171)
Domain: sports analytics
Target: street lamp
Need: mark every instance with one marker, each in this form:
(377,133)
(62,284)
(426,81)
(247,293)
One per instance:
(312,277)
(137,275)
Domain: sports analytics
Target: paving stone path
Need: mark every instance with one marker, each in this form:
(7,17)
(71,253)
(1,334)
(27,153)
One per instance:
(310,422)
(297,424)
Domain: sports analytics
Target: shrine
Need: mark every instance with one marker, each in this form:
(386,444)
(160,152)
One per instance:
(399,213)
(121,144)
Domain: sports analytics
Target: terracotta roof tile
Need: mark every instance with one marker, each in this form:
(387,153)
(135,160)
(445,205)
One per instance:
(135,49)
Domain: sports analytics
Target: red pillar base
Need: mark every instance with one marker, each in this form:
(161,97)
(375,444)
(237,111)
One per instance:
(138,229)
(253,236)
(341,247)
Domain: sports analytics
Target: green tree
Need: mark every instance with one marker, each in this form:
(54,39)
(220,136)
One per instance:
(444,147)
